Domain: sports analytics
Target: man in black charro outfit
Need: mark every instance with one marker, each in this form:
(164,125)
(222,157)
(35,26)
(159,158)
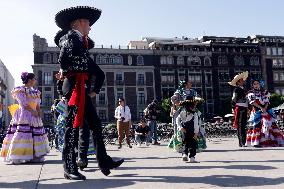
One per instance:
(78,69)
(240,106)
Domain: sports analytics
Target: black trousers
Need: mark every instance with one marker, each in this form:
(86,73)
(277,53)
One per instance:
(84,141)
(92,121)
(242,122)
(189,144)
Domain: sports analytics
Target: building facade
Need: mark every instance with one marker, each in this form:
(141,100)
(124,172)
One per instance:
(152,68)
(7,83)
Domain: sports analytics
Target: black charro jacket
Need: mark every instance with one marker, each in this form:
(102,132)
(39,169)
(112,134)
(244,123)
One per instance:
(74,58)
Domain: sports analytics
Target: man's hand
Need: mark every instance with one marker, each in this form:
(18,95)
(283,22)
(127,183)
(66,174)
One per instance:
(183,130)
(92,94)
(195,136)
(59,75)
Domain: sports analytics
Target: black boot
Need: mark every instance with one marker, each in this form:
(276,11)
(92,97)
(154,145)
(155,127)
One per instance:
(116,164)
(74,176)
(106,172)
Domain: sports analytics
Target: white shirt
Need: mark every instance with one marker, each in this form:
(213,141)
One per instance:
(184,117)
(122,111)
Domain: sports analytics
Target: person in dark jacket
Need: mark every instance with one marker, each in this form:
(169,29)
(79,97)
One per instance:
(78,69)
(240,106)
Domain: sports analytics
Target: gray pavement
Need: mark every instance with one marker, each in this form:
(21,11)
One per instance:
(222,165)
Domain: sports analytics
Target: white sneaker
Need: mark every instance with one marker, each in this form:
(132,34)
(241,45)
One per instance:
(192,160)
(139,145)
(184,157)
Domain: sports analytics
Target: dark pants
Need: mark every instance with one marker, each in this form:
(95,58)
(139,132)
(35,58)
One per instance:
(242,122)
(84,141)
(92,120)
(189,144)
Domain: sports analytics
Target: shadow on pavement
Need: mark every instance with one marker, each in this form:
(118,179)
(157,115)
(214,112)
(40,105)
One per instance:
(130,179)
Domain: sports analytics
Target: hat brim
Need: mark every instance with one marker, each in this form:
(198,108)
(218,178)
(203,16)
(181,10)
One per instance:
(243,75)
(64,18)
(58,35)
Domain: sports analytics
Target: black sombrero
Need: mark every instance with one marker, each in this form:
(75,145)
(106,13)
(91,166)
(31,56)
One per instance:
(61,33)
(64,17)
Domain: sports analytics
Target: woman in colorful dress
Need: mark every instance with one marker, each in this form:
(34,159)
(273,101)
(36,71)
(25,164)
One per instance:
(263,131)
(26,140)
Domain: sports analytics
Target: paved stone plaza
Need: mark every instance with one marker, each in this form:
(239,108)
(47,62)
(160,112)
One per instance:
(223,165)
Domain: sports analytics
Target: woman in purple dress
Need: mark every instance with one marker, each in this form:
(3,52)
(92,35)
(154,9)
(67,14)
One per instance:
(26,140)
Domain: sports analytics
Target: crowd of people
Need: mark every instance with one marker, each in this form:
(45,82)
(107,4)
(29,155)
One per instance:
(80,129)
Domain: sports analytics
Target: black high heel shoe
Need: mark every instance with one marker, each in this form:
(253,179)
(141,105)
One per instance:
(74,176)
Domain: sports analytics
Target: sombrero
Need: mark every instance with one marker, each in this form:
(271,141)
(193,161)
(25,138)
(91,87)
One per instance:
(191,100)
(64,17)
(61,33)
(243,75)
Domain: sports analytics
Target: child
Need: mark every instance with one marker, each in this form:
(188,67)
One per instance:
(142,133)
(187,122)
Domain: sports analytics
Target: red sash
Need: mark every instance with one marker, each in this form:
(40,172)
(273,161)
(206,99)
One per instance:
(78,98)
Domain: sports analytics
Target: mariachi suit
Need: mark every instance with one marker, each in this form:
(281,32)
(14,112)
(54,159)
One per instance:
(240,106)
(78,69)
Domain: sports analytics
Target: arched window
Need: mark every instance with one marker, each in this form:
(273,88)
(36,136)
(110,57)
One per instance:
(170,60)
(163,60)
(140,60)
(194,61)
(47,58)
(207,61)
(180,60)
(129,60)
(222,60)
(239,60)
(106,59)
(119,59)
(99,59)
(112,59)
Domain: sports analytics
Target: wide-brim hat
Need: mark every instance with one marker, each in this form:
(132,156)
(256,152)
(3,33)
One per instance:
(64,17)
(191,101)
(243,75)
(61,33)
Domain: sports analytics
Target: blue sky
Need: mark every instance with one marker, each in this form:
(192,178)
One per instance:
(125,20)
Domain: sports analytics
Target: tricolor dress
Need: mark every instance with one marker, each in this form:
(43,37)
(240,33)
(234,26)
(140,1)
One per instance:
(26,139)
(263,131)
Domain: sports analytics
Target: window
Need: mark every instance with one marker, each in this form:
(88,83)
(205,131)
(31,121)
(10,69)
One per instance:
(281,76)
(207,61)
(254,61)
(47,100)
(140,114)
(100,59)
(47,116)
(181,74)
(102,115)
(119,59)
(222,60)
(141,98)
(129,60)
(180,60)
(280,51)
(274,51)
(47,58)
(163,60)
(119,79)
(140,80)
(167,76)
(223,75)
(275,76)
(140,60)
(170,60)
(208,78)
(102,98)
(209,93)
(119,95)
(55,58)
(268,51)
(193,61)
(239,60)
(47,79)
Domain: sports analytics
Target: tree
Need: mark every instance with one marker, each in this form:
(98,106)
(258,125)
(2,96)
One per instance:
(276,100)
(165,111)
